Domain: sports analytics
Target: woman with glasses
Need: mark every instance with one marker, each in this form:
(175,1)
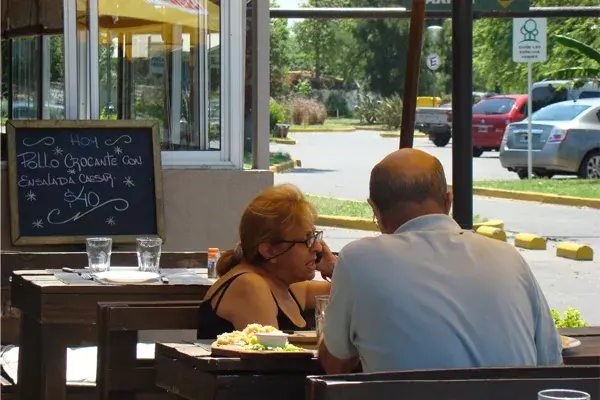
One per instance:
(268,278)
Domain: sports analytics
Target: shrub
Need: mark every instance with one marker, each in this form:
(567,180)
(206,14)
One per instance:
(389,112)
(278,114)
(307,111)
(572,319)
(336,103)
(367,108)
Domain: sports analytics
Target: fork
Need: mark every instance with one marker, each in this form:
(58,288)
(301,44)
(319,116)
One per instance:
(86,276)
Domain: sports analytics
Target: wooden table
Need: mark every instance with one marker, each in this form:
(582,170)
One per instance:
(55,315)
(189,371)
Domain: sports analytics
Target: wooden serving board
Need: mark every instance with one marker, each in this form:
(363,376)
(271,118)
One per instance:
(300,337)
(239,352)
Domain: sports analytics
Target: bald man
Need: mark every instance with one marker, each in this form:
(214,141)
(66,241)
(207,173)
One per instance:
(427,294)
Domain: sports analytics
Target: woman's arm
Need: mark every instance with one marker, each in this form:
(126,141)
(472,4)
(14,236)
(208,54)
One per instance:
(249,301)
(308,290)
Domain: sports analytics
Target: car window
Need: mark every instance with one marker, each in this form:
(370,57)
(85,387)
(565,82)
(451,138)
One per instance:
(546,95)
(589,95)
(559,112)
(494,106)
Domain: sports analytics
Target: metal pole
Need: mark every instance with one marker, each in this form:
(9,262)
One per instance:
(529,135)
(411,78)
(462,112)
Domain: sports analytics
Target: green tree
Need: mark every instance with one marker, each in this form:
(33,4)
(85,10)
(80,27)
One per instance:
(279,55)
(581,49)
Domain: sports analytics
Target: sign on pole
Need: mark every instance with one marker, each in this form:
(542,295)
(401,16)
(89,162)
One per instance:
(478,5)
(433,62)
(529,45)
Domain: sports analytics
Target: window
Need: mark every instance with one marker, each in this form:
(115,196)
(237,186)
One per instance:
(589,95)
(545,95)
(179,62)
(559,112)
(499,105)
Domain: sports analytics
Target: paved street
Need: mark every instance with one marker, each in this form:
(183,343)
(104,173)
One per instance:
(565,283)
(339,164)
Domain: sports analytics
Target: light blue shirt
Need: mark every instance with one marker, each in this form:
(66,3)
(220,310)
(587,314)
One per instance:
(434,296)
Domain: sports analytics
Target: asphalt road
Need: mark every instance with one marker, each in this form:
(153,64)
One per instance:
(339,164)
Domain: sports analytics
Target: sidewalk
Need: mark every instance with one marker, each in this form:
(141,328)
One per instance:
(565,283)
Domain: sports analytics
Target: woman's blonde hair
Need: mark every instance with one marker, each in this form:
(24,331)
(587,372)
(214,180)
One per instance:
(267,219)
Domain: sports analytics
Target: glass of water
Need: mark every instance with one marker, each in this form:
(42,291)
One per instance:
(562,394)
(148,254)
(321,304)
(98,252)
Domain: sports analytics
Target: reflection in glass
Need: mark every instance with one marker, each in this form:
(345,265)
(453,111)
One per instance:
(160,60)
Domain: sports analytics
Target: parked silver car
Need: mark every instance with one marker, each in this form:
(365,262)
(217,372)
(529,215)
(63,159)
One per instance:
(565,141)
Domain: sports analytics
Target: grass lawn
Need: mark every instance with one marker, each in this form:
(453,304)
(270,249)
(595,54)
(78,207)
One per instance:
(349,208)
(588,188)
(337,124)
(277,157)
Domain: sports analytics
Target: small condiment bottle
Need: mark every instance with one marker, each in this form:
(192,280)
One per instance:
(211,262)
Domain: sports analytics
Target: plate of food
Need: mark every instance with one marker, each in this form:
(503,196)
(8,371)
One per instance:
(306,337)
(127,277)
(569,342)
(258,341)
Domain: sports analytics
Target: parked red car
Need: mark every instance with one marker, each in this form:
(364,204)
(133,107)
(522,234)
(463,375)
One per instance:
(490,117)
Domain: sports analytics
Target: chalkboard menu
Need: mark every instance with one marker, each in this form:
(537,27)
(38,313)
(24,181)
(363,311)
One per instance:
(69,180)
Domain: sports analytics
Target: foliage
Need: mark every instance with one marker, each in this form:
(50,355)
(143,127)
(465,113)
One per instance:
(572,319)
(278,114)
(579,74)
(303,88)
(307,112)
(389,112)
(367,109)
(279,62)
(337,105)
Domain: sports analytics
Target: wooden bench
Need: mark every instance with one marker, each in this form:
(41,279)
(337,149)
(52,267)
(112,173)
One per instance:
(464,384)
(120,375)
(16,261)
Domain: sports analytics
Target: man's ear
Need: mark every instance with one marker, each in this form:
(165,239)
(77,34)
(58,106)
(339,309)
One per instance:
(449,201)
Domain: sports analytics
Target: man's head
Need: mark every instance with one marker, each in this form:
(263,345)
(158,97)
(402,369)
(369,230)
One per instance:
(407,184)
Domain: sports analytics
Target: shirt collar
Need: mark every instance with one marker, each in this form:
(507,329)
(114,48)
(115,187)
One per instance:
(431,222)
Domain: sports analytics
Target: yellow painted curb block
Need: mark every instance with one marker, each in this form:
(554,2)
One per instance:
(530,242)
(277,168)
(538,197)
(575,251)
(397,135)
(361,224)
(494,223)
(492,233)
(283,141)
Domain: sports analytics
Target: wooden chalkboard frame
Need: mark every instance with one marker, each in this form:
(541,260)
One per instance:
(13,125)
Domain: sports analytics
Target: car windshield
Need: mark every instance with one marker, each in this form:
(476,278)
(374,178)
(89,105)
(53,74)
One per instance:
(559,112)
(494,106)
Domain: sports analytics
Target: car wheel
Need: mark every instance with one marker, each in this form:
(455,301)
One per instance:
(477,152)
(590,166)
(441,140)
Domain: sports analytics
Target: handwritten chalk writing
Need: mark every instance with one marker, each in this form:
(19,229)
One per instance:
(124,206)
(104,178)
(86,162)
(33,160)
(89,199)
(125,138)
(83,141)
(47,141)
(49,180)
(131,160)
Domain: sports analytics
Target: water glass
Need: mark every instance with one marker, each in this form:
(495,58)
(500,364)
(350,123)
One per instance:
(148,254)
(98,252)
(321,304)
(563,394)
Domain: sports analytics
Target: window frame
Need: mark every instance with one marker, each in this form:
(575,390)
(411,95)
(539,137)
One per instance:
(232,52)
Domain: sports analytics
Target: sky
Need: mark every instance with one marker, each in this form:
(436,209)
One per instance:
(290,4)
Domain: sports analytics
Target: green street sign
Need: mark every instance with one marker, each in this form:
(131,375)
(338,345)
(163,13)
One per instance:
(478,5)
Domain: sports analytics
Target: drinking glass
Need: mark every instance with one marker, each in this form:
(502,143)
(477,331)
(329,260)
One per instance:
(563,394)
(148,254)
(321,304)
(98,252)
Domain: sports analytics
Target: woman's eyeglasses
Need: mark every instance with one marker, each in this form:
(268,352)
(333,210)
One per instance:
(310,242)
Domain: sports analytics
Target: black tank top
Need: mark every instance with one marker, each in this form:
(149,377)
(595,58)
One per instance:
(211,325)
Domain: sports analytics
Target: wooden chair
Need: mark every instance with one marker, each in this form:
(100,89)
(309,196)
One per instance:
(120,375)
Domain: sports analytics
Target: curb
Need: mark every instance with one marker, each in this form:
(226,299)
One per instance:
(328,130)
(360,224)
(285,166)
(538,197)
(574,251)
(494,223)
(492,233)
(282,141)
(397,135)
(530,242)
